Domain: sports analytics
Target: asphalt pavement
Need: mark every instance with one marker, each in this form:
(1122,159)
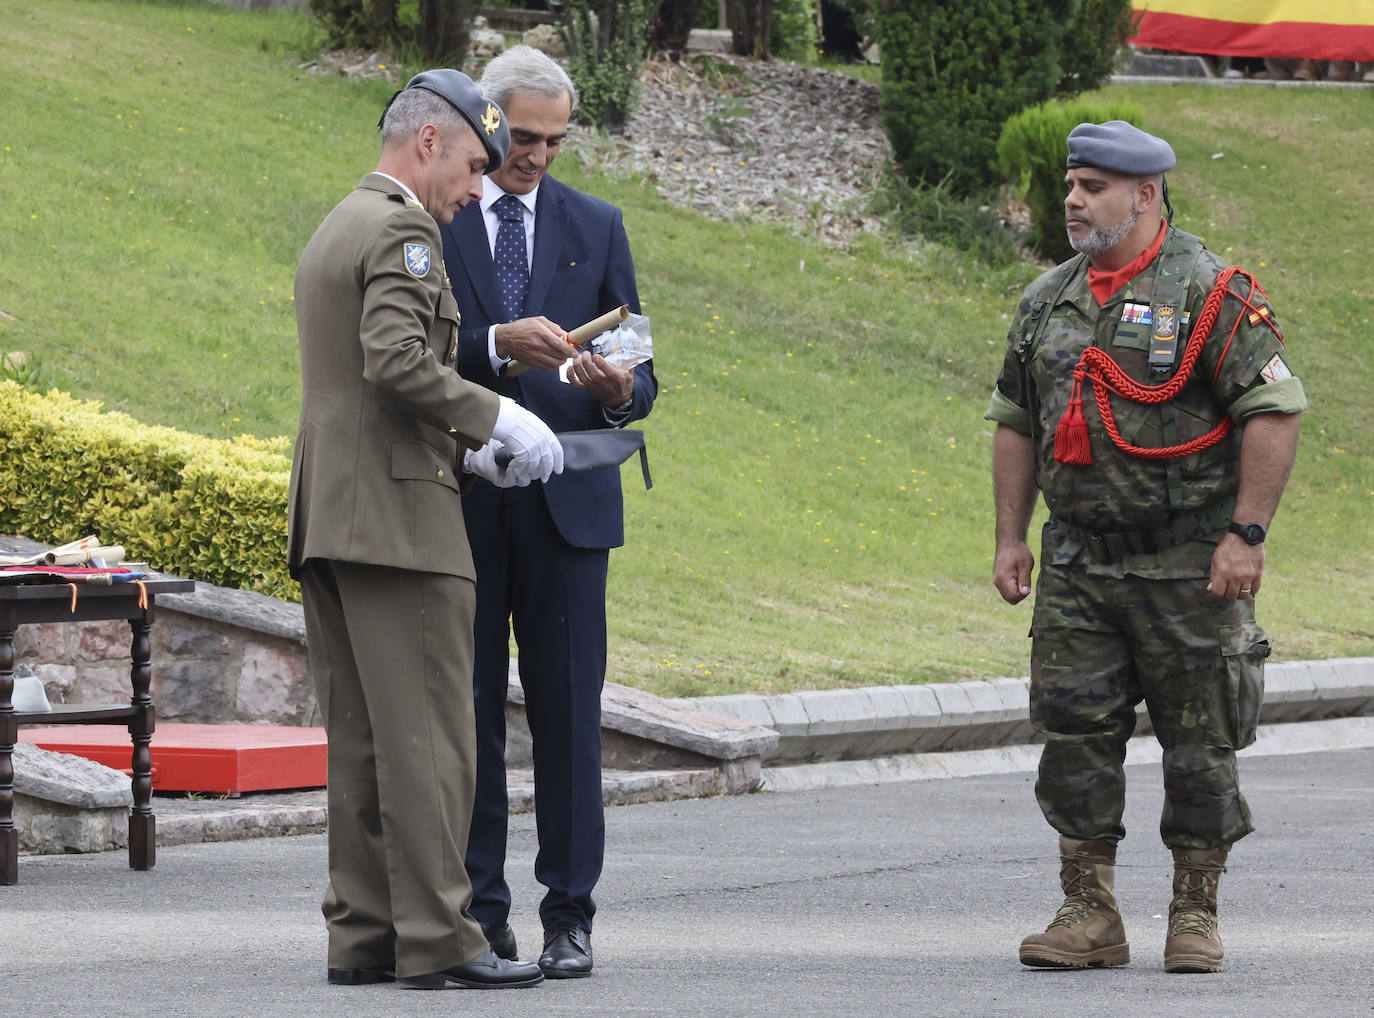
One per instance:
(905,898)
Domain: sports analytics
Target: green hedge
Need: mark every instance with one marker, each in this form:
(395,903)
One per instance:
(1031,152)
(953,73)
(209,509)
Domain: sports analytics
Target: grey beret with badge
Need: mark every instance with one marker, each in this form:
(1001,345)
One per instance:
(462,93)
(1119,147)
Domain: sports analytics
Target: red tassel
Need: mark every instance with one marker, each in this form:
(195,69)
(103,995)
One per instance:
(1071,444)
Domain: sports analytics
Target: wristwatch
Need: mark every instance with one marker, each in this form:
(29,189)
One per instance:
(1252,533)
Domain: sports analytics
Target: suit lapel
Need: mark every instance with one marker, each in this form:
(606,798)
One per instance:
(470,233)
(549,229)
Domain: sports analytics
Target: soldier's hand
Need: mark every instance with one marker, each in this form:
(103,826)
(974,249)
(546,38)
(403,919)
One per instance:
(1011,571)
(612,386)
(483,463)
(1236,568)
(535,451)
(534,342)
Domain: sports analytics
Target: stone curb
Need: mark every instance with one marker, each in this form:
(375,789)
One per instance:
(186,821)
(1273,740)
(841,724)
(1151,79)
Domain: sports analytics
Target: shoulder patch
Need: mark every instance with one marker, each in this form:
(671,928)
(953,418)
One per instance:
(1276,370)
(417,260)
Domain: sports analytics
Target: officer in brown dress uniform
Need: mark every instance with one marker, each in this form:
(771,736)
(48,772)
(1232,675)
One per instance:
(387,426)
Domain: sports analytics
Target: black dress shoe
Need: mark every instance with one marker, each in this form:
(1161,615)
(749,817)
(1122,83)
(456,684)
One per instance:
(567,953)
(362,976)
(502,941)
(485,972)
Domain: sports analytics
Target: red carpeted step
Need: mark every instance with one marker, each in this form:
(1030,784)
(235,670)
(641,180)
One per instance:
(215,759)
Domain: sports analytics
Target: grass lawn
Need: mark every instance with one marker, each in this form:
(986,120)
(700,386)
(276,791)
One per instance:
(821,514)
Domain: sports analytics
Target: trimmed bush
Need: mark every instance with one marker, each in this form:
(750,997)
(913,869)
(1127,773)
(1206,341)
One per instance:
(953,74)
(205,508)
(1031,153)
(1094,44)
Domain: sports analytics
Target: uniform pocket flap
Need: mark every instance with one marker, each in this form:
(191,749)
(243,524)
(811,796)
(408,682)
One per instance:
(415,461)
(448,307)
(1244,638)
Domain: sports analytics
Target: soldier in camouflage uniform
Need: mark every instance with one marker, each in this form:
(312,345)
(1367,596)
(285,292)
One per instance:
(1146,393)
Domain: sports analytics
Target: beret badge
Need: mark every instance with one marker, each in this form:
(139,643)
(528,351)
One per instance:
(491,119)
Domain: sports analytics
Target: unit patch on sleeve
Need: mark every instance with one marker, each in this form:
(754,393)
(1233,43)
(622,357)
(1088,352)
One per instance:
(417,260)
(1275,370)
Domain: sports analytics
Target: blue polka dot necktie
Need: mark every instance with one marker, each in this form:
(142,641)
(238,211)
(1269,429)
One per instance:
(512,265)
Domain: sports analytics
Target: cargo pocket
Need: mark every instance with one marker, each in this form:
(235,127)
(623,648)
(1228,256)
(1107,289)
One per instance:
(1240,693)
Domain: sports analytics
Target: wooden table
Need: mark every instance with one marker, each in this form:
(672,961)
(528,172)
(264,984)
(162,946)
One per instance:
(52,602)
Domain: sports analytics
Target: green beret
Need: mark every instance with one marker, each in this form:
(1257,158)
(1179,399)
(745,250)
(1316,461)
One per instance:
(462,93)
(1120,147)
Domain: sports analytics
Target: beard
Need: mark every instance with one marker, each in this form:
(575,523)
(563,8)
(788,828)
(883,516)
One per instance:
(1101,239)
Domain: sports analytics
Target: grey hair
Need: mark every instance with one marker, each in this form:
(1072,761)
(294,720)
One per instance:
(525,70)
(412,109)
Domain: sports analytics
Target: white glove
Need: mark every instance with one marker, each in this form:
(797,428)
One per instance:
(535,452)
(482,462)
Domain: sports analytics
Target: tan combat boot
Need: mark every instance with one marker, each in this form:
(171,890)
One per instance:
(1086,931)
(1192,944)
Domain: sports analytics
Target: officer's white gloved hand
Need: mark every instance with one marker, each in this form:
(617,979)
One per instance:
(535,452)
(482,462)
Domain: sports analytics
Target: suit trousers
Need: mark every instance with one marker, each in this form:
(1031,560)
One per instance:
(555,596)
(391,657)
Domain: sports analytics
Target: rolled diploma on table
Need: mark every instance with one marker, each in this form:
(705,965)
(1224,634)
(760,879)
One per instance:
(89,541)
(109,554)
(582,333)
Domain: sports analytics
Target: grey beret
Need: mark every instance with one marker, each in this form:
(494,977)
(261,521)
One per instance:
(463,95)
(1120,147)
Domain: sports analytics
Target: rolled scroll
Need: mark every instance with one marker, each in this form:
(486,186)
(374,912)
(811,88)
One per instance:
(109,554)
(582,333)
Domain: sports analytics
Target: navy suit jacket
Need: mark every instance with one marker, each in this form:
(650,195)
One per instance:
(581,269)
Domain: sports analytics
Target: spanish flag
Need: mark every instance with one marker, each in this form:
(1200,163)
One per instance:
(1326,30)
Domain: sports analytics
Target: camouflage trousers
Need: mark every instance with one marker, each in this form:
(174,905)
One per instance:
(1103,644)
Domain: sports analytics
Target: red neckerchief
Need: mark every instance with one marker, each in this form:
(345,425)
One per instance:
(1104,284)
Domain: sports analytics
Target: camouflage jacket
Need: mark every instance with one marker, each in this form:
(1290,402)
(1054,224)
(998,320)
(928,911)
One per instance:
(1120,492)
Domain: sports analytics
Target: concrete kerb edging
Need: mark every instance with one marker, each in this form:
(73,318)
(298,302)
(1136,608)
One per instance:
(850,724)
(642,731)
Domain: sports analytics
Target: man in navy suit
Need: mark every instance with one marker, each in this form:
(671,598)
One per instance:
(532,261)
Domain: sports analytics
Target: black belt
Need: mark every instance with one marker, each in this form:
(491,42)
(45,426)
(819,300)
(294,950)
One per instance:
(1109,547)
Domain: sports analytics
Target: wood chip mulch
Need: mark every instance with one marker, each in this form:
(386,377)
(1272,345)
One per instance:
(736,138)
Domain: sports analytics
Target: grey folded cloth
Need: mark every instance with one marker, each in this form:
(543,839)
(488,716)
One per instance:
(598,450)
